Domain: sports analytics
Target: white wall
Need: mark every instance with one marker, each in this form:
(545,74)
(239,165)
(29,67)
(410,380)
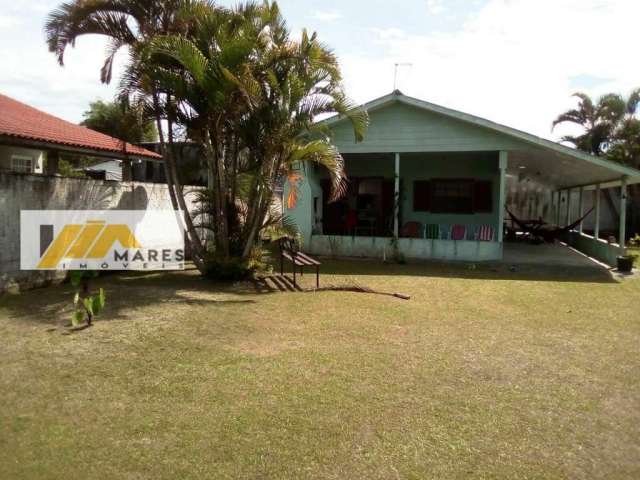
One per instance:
(34,192)
(37,156)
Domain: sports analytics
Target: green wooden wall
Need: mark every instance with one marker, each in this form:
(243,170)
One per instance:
(404,128)
(431,145)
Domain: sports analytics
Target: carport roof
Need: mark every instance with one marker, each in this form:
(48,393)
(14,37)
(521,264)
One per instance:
(542,160)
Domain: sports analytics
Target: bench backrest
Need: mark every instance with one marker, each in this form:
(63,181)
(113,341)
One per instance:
(288,244)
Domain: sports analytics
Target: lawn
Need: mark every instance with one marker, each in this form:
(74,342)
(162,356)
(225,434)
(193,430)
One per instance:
(484,373)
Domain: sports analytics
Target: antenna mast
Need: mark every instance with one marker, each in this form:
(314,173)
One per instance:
(395,73)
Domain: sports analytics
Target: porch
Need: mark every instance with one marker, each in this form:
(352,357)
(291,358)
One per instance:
(432,183)
(441,205)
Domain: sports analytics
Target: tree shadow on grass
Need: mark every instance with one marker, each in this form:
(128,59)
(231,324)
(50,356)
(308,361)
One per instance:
(130,291)
(126,292)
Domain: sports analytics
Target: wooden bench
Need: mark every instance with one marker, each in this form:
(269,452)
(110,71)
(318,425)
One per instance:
(290,251)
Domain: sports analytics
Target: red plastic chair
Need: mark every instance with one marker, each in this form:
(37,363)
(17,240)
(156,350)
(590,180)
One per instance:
(411,230)
(351,221)
(485,233)
(458,232)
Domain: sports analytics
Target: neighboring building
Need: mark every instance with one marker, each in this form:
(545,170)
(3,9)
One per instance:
(190,161)
(438,180)
(107,170)
(32,141)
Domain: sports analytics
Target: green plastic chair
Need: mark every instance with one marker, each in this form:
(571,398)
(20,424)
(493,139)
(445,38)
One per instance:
(432,231)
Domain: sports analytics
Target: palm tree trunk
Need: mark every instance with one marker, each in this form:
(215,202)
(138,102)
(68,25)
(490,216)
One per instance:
(163,151)
(192,234)
(221,239)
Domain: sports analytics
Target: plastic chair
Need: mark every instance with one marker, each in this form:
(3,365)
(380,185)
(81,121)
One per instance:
(485,233)
(458,232)
(411,230)
(432,231)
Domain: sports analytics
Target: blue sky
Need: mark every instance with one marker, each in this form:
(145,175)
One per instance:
(513,61)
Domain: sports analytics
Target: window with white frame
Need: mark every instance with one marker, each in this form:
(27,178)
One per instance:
(22,163)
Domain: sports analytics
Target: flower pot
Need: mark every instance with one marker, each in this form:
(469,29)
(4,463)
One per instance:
(625,264)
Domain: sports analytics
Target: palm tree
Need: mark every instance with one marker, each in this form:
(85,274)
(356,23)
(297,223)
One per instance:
(127,24)
(611,129)
(607,123)
(249,94)
(239,85)
(597,119)
(625,144)
(120,120)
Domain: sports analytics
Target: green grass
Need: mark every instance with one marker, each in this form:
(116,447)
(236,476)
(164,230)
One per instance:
(484,373)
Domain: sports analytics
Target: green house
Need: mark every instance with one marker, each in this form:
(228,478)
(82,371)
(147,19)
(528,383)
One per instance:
(432,182)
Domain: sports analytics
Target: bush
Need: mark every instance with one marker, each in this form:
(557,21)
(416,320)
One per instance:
(235,269)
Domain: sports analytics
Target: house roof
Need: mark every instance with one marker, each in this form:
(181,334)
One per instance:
(541,154)
(20,121)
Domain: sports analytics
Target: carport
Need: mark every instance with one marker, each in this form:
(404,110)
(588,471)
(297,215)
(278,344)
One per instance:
(563,181)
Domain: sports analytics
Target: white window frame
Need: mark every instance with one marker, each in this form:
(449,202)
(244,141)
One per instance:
(22,163)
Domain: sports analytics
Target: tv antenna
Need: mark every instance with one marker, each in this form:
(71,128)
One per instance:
(395,73)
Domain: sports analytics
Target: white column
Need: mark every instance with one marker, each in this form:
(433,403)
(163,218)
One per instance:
(623,214)
(503,161)
(581,208)
(596,232)
(396,201)
(568,219)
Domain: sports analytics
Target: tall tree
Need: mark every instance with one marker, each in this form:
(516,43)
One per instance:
(611,128)
(243,89)
(596,120)
(120,120)
(625,144)
(250,94)
(128,24)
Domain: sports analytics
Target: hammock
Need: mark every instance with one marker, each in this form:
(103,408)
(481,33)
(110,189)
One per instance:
(548,234)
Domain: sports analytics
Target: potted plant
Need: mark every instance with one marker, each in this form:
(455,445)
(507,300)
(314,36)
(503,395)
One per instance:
(625,262)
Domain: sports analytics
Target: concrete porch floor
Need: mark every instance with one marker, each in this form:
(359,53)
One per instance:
(548,255)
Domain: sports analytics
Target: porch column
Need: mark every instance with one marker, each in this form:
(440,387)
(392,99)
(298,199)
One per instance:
(568,219)
(396,201)
(558,207)
(581,209)
(53,160)
(623,214)
(503,161)
(596,232)
(127,170)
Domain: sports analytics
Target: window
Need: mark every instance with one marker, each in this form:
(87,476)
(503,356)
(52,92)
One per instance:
(421,196)
(483,197)
(460,196)
(452,196)
(22,163)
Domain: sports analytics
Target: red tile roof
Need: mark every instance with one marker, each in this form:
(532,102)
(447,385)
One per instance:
(22,121)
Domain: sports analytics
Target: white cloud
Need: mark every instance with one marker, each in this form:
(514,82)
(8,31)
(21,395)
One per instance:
(327,16)
(9,21)
(435,7)
(513,62)
(63,91)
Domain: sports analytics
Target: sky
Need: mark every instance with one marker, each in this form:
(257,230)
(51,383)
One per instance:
(515,62)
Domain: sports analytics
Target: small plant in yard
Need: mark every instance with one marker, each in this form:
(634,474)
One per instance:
(86,305)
